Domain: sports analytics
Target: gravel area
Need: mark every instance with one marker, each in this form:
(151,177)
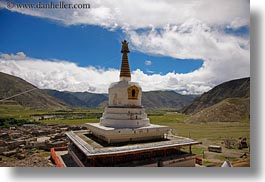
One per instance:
(32,159)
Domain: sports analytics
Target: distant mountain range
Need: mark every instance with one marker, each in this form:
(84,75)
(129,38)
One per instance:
(152,99)
(79,99)
(11,85)
(229,101)
(36,98)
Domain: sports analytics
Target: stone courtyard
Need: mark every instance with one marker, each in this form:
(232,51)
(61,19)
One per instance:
(30,144)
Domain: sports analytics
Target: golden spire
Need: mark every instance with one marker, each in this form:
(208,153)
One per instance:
(125,67)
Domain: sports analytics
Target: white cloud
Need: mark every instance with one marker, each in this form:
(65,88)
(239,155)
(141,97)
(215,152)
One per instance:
(63,75)
(225,56)
(179,29)
(17,56)
(146,13)
(59,75)
(148,62)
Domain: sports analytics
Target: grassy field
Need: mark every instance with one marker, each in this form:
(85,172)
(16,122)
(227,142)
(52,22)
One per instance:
(207,133)
(214,131)
(19,112)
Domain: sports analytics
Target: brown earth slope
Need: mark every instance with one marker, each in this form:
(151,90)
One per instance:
(36,98)
(239,88)
(228,110)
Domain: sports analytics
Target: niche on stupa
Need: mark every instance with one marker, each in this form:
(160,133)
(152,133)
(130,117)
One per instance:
(133,92)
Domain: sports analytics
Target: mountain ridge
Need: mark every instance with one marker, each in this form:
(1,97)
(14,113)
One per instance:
(239,88)
(32,97)
(228,110)
(151,99)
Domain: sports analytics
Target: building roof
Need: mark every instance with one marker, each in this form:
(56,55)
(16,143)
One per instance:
(92,148)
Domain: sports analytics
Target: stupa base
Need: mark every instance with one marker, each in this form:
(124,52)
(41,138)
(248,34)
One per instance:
(119,135)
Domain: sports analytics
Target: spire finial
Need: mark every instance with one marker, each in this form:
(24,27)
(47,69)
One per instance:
(125,47)
(125,73)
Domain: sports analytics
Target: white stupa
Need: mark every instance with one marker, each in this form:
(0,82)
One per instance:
(124,119)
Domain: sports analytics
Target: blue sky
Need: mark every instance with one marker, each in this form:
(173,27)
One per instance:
(83,44)
(189,46)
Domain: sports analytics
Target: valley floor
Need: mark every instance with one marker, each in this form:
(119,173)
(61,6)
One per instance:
(211,133)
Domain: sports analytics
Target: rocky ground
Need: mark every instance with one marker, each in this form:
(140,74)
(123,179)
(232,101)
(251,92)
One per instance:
(33,158)
(29,146)
(238,157)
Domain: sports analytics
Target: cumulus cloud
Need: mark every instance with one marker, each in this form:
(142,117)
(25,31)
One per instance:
(129,14)
(63,75)
(60,75)
(17,56)
(225,56)
(179,29)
